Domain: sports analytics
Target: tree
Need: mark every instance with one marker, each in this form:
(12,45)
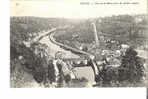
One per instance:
(131,68)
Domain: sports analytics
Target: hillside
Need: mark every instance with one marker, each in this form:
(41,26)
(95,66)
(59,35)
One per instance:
(124,28)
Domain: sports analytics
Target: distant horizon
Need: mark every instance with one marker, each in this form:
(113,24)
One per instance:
(82,18)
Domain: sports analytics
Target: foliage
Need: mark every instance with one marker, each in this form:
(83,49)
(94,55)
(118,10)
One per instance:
(131,70)
(122,28)
(132,67)
(37,55)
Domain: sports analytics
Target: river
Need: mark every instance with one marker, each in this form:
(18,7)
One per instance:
(85,72)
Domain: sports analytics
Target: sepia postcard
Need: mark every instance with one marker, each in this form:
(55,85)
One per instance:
(78,43)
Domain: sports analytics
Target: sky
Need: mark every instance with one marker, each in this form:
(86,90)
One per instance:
(75,8)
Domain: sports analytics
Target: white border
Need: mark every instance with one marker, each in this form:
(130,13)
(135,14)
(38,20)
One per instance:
(39,93)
